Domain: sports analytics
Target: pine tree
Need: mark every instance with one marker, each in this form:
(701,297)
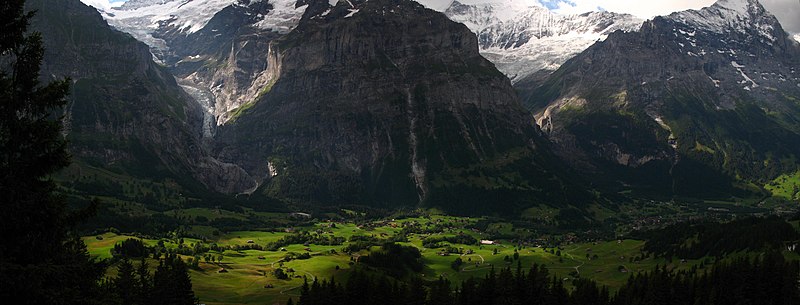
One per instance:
(126,284)
(41,260)
(145,282)
(182,283)
(416,294)
(440,293)
(171,283)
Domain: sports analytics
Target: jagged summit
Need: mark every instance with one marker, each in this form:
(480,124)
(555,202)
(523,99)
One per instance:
(726,16)
(522,38)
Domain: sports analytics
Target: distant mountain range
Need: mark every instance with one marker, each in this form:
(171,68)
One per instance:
(520,37)
(388,103)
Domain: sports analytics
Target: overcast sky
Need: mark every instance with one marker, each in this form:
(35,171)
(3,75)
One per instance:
(787,11)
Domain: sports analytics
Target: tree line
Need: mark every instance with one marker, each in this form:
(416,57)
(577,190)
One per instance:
(768,279)
(134,285)
(696,240)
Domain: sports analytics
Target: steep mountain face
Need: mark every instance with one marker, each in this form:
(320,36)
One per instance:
(216,48)
(126,114)
(523,38)
(385,102)
(694,101)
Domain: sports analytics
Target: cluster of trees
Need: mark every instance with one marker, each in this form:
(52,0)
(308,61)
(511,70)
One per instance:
(303,185)
(434,241)
(151,225)
(507,287)
(766,280)
(363,242)
(131,248)
(133,285)
(280,274)
(696,240)
(417,228)
(456,264)
(293,256)
(395,259)
(305,238)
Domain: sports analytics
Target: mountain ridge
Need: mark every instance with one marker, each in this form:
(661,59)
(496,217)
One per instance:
(677,99)
(405,111)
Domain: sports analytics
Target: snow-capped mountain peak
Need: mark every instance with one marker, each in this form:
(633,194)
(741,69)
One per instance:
(481,15)
(143,18)
(190,15)
(522,37)
(727,16)
(742,7)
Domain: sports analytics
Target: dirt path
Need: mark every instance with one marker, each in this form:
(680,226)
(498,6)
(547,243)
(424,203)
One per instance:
(478,255)
(567,253)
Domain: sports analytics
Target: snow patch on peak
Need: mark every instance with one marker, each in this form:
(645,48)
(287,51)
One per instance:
(351,13)
(740,6)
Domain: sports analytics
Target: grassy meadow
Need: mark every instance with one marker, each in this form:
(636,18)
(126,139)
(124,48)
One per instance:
(248,276)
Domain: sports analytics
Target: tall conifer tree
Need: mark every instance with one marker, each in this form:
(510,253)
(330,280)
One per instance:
(41,260)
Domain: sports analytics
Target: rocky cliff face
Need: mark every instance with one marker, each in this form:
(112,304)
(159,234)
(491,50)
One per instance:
(384,102)
(227,56)
(215,45)
(695,101)
(126,113)
(217,48)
